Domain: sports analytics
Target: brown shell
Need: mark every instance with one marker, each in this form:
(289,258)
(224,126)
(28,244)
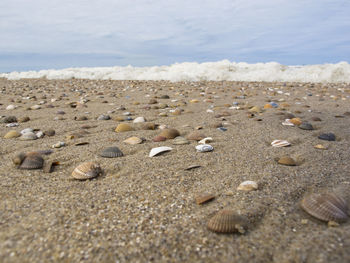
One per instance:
(18,159)
(286,160)
(227,221)
(159,138)
(326,206)
(87,170)
(195,136)
(111,152)
(123,127)
(170,133)
(148,126)
(12,134)
(32,160)
(204,198)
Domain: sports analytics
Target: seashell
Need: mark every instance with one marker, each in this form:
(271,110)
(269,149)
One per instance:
(326,206)
(286,160)
(159,138)
(8,119)
(58,145)
(44,152)
(32,160)
(195,136)
(139,119)
(268,106)
(50,132)
(204,198)
(204,148)
(26,130)
(12,134)
(280,143)
(80,118)
(87,170)
(158,150)
(194,166)
(123,127)
(81,143)
(163,114)
(35,107)
(255,109)
(224,129)
(103,117)
(248,186)
(40,134)
(28,136)
(296,121)
(205,140)
(170,133)
(119,118)
(148,126)
(18,159)
(179,140)
(133,140)
(152,101)
(227,221)
(24,119)
(111,152)
(287,122)
(327,136)
(320,146)
(11,107)
(306,126)
(194,101)
(13,124)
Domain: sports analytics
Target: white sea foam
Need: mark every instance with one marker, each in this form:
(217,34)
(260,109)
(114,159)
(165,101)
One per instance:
(221,70)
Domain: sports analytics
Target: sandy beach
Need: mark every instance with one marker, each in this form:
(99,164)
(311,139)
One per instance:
(143,209)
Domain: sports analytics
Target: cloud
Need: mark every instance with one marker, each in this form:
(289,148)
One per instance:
(171,31)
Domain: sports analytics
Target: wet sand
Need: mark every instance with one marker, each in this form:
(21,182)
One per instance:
(143,209)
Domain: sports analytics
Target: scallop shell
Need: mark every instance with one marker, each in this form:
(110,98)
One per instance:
(248,186)
(280,143)
(170,133)
(18,159)
(123,127)
(133,140)
(195,136)
(326,206)
(32,160)
(12,134)
(204,148)
(158,150)
(205,140)
(227,221)
(111,152)
(204,198)
(87,170)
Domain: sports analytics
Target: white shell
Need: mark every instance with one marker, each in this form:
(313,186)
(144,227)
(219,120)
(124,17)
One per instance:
(139,119)
(287,122)
(205,140)
(158,150)
(13,124)
(28,136)
(58,145)
(26,130)
(280,143)
(204,148)
(248,186)
(11,107)
(210,111)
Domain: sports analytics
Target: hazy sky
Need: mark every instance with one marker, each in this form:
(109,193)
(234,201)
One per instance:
(43,34)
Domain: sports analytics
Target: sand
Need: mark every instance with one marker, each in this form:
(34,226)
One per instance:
(143,209)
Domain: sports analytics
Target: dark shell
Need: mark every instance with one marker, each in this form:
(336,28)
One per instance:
(33,160)
(87,170)
(327,136)
(306,126)
(8,119)
(227,221)
(111,152)
(326,206)
(49,132)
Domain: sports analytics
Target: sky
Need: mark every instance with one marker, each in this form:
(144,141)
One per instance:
(56,34)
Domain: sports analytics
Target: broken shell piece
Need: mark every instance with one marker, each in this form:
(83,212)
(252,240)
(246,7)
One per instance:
(205,140)
(192,167)
(204,198)
(248,186)
(280,143)
(320,146)
(158,150)
(287,122)
(204,148)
